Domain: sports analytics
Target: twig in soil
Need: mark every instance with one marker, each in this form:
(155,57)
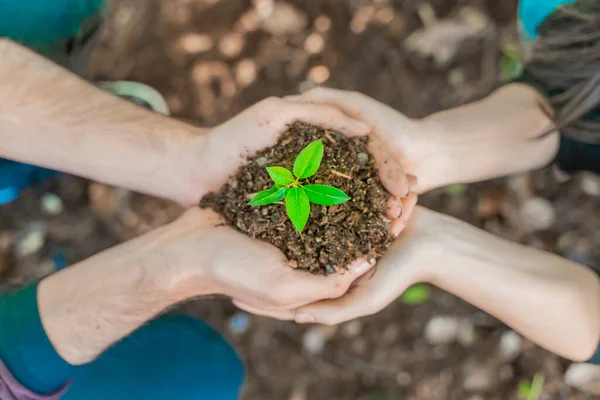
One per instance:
(330,138)
(340,174)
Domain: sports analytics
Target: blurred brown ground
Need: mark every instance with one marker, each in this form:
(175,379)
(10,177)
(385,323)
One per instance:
(213,58)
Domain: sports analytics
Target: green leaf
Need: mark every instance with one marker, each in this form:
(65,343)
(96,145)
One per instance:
(416,294)
(531,390)
(268,196)
(524,389)
(309,160)
(297,207)
(281,176)
(325,195)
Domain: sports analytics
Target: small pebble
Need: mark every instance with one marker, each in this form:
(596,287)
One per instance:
(362,159)
(456,78)
(442,330)
(510,346)
(322,23)
(479,378)
(318,74)
(239,323)
(537,214)
(261,161)
(283,19)
(313,340)
(585,377)
(52,204)
(403,378)
(246,72)
(231,45)
(32,242)
(466,333)
(314,43)
(195,43)
(330,269)
(352,329)
(590,183)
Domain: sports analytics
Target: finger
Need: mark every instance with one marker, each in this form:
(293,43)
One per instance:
(394,208)
(301,288)
(357,303)
(325,116)
(284,315)
(408,206)
(391,172)
(351,103)
(412,181)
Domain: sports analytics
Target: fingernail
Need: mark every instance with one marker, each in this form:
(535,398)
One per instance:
(305,318)
(360,267)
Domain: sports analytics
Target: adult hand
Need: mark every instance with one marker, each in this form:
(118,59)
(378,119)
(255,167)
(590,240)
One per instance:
(499,135)
(401,266)
(215,156)
(206,257)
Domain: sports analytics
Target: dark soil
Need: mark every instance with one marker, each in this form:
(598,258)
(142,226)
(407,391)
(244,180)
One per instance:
(334,236)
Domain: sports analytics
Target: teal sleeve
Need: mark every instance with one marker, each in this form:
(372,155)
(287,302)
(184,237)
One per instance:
(24,347)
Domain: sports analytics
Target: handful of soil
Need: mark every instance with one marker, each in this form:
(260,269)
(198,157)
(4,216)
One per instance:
(334,236)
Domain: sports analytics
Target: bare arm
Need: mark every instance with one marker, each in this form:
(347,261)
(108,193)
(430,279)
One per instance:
(552,301)
(493,137)
(51,118)
(87,307)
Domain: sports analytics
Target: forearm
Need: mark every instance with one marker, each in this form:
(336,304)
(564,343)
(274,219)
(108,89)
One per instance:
(496,136)
(91,305)
(52,118)
(551,300)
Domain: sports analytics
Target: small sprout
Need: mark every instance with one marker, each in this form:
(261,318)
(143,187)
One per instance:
(298,196)
(531,390)
(416,294)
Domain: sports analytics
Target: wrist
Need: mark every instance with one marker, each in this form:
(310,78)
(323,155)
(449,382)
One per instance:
(434,158)
(185,255)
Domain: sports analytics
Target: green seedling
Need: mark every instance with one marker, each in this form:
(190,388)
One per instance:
(531,390)
(416,294)
(289,185)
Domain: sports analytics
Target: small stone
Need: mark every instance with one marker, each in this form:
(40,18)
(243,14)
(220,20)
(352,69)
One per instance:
(510,346)
(590,183)
(362,159)
(478,379)
(264,212)
(537,214)
(585,377)
(314,43)
(250,184)
(292,263)
(231,45)
(319,74)
(385,15)
(52,204)
(313,340)
(466,333)
(261,161)
(322,23)
(559,175)
(32,242)
(456,78)
(442,330)
(390,333)
(403,378)
(359,345)
(239,323)
(246,72)
(195,43)
(283,19)
(352,329)
(330,269)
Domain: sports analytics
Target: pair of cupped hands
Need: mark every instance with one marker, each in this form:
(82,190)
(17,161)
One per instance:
(257,275)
